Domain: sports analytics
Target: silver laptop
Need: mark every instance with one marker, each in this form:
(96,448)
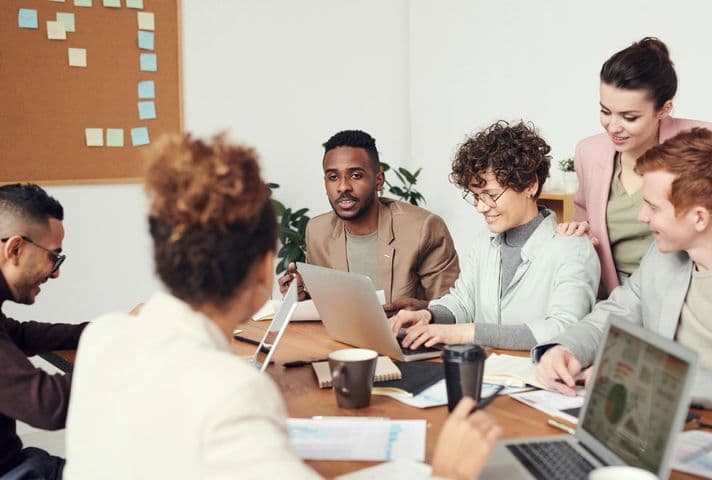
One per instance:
(350,310)
(276,328)
(635,406)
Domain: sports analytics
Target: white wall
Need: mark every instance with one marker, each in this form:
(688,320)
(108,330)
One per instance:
(418,74)
(475,62)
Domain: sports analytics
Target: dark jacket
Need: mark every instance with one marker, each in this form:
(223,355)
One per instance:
(27,393)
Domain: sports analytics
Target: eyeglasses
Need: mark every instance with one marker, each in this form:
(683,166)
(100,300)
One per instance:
(474,198)
(57,258)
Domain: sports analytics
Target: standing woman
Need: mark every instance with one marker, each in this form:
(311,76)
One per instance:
(638,84)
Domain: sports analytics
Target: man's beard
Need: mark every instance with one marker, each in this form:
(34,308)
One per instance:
(363,209)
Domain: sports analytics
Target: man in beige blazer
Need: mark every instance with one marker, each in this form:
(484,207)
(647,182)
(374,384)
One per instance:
(406,250)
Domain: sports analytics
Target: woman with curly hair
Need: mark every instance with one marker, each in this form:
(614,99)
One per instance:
(638,84)
(161,395)
(522,284)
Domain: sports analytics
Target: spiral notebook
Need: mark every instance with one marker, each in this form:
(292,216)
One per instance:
(385,370)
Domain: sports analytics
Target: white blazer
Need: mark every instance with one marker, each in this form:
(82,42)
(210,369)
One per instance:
(162,396)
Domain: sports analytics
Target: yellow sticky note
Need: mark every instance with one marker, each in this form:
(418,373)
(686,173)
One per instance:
(55,30)
(145,21)
(77,57)
(94,136)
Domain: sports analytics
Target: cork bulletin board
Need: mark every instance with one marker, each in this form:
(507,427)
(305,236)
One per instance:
(85,87)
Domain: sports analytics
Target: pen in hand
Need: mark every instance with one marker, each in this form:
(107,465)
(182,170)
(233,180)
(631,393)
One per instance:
(486,401)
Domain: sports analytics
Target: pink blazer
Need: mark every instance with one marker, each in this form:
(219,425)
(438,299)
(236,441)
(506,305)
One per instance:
(593,161)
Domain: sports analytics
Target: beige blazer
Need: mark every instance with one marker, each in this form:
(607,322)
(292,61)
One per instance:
(161,395)
(594,168)
(416,253)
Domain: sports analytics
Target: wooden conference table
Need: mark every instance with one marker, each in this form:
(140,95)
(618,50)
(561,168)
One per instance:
(303,397)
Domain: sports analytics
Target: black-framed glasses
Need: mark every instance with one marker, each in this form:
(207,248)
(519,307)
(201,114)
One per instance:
(474,198)
(57,258)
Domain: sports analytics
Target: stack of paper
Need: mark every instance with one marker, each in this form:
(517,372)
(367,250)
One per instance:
(693,453)
(357,438)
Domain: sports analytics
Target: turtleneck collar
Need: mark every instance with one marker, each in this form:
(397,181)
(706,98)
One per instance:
(518,236)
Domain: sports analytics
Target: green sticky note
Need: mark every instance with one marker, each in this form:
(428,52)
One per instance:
(114,137)
(82,3)
(67,19)
(134,3)
(112,3)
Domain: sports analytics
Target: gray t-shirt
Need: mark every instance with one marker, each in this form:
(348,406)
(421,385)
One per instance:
(362,254)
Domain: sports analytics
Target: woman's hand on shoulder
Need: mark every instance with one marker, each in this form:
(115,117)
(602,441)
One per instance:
(577,228)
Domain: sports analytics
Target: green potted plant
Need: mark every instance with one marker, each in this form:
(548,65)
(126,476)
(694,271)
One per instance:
(569,175)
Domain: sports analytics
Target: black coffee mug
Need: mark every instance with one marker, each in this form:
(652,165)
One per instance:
(464,369)
(352,371)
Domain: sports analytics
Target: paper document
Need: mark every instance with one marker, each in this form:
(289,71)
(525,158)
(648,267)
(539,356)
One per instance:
(693,453)
(510,370)
(396,470)
(357,438)
(306,310)
(552,403)
(436,395)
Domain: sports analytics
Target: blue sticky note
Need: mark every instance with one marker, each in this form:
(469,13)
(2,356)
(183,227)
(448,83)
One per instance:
(146,89)
(27,18)
(149,62)
(145,40)
(139,136)
(146,110)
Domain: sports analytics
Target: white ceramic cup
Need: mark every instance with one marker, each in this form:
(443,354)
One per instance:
(621,472)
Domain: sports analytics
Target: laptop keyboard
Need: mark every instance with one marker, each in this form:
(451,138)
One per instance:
(420,349)
(551,460)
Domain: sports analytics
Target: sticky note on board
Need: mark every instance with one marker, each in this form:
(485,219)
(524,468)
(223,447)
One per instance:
(145,40)
(55,30)
(146,110)
(82,3)
(139,136)
(134,3)
(112,3)
(146,89)
(77,57)
(149,62)
(145,21)
(27,18)
(94,137)
(67,19)
(114,137)
(58,1)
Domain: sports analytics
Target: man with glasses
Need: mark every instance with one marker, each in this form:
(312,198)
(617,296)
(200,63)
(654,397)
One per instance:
(522,283)
(407,251)
(31,235)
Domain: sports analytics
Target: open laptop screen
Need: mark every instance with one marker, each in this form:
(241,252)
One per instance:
(634,399)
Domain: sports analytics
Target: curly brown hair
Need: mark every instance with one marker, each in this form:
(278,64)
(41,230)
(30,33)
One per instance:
(210,216)
(515,154)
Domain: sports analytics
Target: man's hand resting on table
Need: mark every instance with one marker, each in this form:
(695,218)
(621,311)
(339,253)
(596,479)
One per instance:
(558,369)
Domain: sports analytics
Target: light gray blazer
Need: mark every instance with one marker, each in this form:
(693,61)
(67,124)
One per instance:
(652,297)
